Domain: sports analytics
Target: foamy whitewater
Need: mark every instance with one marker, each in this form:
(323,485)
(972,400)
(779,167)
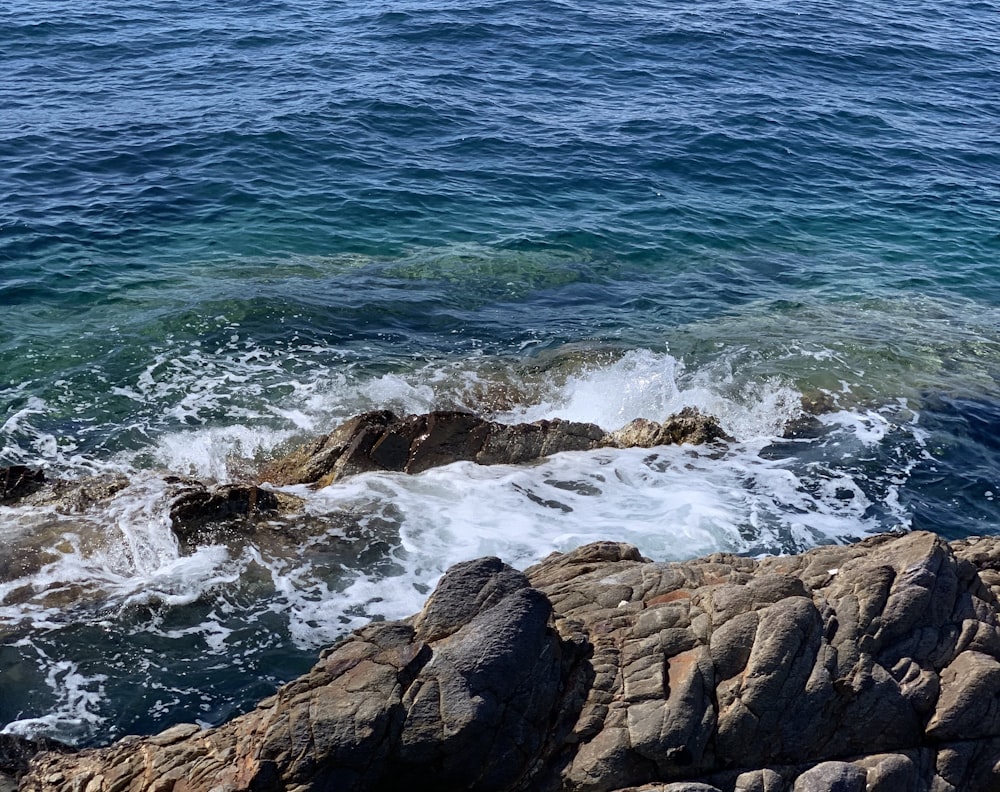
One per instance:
(374,545)
(223,233)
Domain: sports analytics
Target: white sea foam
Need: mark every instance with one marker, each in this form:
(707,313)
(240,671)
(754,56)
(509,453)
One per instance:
(638,384)
(214,634)
(122,554)
(24,443)
(646,384)
(215,453)
(867,426)
(77,698)
(672,502)
(377,543)
(34,406)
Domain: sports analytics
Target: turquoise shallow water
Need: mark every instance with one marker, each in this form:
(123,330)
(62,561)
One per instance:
(222,230)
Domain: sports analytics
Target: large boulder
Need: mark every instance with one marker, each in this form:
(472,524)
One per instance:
(470,694)
(874,666)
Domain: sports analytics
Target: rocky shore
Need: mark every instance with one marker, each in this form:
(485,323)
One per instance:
(874,666)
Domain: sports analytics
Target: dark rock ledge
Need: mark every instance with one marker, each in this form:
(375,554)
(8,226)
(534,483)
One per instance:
(382,440)
(874,666)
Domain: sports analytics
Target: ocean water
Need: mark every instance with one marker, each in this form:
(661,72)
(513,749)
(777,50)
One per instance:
(225,229)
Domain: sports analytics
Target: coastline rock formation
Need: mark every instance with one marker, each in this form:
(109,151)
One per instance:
(16,753)
(874,666)
(381,440)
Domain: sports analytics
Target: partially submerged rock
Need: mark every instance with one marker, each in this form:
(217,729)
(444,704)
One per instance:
(687,426)
(16,752)
(18,481)
(381,440)
(24,486)
(869,667)
(198,509)
(35,537)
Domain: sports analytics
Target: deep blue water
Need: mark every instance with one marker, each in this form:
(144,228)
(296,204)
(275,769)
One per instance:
(225,227)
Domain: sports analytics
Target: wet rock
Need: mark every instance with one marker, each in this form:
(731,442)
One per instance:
(807,423)
(17,481)
(339,453)
(874,666)
(373,441)
(29,487)
(16,752)
(78,496)
(199,512)
(520,443)
(381,440)
(414,443)
(37,529)
(687,426)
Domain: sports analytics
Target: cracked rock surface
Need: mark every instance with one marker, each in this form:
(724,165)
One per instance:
(874,666)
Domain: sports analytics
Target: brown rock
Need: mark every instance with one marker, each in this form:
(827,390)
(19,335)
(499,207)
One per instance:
(384,441)
(845,668)
(477,706)
(687,426)
(313,461)
(199,512)
(969,703)
(26,486)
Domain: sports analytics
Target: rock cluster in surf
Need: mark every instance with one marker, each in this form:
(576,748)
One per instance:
(373,441)
(874,666)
